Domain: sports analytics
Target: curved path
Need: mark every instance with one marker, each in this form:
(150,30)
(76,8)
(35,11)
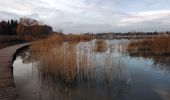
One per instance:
(7,86)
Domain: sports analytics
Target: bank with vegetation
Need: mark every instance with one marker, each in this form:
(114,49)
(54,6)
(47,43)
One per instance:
(154,46)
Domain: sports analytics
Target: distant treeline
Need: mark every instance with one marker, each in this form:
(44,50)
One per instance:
(25,26)
(127,34)
(9,27)
(28,26)
(135,33)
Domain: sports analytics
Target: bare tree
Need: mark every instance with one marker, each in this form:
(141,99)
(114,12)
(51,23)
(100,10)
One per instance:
(25,24)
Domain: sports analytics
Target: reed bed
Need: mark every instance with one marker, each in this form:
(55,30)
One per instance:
(77,64)
(154,46)
(73,61)
(59,59)
(57,55)
(55,40)
(78,37)
(100,46)
(65,59)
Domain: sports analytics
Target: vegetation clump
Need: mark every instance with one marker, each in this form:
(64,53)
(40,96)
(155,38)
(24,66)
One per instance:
(154,46)
(100,46)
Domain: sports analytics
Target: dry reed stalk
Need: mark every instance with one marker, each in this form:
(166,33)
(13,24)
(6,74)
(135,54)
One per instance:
(100,46)
(154,46)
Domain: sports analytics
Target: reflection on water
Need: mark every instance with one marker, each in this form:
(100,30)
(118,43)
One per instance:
(95,70)
(160,63)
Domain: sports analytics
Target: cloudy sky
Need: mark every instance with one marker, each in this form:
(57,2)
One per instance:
(92,15)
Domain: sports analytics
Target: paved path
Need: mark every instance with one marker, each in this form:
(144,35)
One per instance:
(7,86)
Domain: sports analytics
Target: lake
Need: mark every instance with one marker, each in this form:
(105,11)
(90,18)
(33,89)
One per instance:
(94,70)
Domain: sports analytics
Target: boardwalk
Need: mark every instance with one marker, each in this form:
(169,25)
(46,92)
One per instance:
(7,87)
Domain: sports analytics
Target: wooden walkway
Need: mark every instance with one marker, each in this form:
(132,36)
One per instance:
(7,86)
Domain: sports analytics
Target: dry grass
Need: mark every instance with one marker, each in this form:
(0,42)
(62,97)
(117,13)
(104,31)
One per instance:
(154,46)
(100,46)
(56,39)
(70,60)
(58,57)
(46,44)
(7,40)
(60,62)
(78,37)
(52,39)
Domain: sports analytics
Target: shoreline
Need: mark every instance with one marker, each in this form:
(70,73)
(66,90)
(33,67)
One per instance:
(7,85)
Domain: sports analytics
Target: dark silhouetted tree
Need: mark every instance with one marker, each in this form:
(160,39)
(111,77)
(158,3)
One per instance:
(24,26)
(28,26)
(9,27)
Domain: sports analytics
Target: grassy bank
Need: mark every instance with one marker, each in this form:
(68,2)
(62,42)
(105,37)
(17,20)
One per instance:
(8,40)
(154,46)
(59,39)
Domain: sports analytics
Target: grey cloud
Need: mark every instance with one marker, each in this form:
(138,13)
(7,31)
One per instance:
(90,15)
(153,25)
(8,15)
(89,28)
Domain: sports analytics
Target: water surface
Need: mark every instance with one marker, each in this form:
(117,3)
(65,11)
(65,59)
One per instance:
(95,70)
